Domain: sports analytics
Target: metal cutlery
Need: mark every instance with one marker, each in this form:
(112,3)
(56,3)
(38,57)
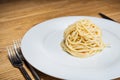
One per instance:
(17,48)
(106,17)
(17,62)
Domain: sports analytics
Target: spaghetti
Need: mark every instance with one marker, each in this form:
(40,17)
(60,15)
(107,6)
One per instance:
(83,39)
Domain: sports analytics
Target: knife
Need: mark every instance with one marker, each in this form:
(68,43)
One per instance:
(106,17)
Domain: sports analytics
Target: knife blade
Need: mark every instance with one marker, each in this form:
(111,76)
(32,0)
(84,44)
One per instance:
(106,17)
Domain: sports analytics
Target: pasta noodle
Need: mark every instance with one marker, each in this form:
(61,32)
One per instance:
(83,39)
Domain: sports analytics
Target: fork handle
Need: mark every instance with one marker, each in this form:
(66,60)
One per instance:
(32,70)
(25,74)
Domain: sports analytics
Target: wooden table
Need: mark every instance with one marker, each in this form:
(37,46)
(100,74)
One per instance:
(17,17)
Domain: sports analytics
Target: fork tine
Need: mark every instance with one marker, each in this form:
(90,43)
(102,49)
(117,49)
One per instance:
(19,42)
(10,54)
(14,54)
(15,43)
(10,51)
(17,47)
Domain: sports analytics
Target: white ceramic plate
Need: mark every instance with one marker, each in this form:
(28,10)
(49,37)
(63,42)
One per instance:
(41,48)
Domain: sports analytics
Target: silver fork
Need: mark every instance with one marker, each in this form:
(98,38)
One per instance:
(17,48)
(16,61)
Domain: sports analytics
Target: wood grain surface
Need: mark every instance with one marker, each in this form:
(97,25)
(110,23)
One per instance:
(18,16)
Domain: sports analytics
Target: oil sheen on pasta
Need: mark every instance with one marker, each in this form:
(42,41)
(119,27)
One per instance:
(83,39)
